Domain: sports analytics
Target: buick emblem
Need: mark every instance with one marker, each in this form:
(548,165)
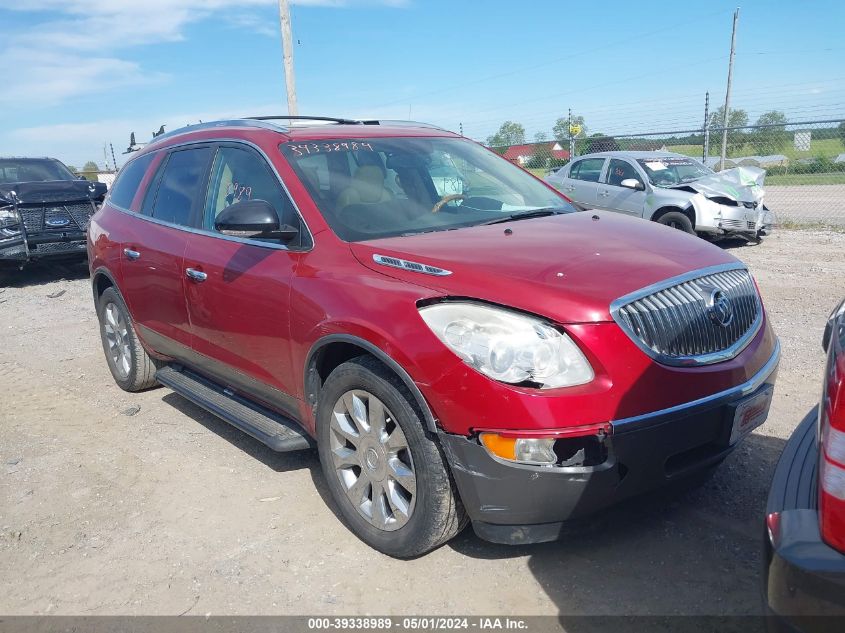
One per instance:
(719,307)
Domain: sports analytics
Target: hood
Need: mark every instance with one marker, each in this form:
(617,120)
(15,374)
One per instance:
(568,268)
(50,191)
(741,184)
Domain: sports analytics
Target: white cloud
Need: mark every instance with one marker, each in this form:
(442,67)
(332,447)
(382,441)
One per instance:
(76,49)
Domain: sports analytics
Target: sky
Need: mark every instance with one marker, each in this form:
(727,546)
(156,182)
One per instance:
(83,73)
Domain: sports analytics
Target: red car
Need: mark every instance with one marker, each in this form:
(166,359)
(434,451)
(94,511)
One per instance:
(805,515)
(458,347)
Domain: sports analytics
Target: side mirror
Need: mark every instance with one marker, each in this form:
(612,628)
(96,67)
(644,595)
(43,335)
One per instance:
(632,183)
(251,219)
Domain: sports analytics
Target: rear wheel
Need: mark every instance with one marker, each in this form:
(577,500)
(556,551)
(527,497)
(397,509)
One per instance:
(677,220)
(131,367)
(386,474)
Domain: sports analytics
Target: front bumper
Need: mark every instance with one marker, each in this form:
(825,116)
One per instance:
(803,578)
(515,503)
(41,246)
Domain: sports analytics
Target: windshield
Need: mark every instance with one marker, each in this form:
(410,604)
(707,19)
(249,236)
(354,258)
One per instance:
(14,170)
(667,171)
(383,187)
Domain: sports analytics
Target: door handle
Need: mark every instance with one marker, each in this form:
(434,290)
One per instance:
(570,188)
(196,275)
(130,254)
(604,194)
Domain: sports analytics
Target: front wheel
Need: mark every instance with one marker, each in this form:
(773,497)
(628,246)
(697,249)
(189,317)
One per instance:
(677,220)
(386,474)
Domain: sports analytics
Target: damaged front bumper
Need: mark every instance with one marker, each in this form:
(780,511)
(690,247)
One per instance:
(516,503)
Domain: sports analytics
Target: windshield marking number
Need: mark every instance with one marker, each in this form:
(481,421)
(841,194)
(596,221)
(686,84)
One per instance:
(326,148)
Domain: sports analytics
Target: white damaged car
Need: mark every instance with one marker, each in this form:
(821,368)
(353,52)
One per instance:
(671,189)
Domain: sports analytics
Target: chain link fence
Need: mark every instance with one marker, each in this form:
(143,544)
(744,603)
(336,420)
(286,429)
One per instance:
(804,161)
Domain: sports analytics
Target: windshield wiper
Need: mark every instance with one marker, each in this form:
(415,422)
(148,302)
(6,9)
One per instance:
(525,215)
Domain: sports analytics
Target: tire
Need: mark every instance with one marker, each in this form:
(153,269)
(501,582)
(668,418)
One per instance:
(359,463)
(677,220)
(131,367)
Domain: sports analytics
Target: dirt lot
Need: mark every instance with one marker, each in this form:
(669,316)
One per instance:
(171,511)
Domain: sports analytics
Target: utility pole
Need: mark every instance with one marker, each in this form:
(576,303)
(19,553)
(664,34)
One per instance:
(571,138)
(728,93)
(287,52)
(705,148)
(113,159)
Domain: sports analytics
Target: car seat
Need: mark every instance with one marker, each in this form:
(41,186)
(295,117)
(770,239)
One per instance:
(367,188)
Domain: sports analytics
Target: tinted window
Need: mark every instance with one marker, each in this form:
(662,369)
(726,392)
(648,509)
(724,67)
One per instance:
(181,180)
(587,169)
(124,188)
(620,170)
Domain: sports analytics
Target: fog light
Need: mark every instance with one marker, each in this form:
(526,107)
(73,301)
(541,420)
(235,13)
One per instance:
(537,451)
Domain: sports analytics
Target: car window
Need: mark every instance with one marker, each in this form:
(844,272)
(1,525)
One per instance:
(382,187)
(240,174)
(180,182)
(128,180)
(588,169)
(14,170)
(667,171)
(619,170)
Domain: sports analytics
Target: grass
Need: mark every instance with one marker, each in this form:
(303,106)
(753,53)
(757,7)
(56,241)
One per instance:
(830,147)
(835,178)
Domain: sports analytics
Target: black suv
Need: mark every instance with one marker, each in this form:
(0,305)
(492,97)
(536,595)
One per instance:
(44,210)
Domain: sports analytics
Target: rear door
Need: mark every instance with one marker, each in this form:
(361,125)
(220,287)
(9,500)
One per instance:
(154,247)
(581,183)
(612,196)
(238,295)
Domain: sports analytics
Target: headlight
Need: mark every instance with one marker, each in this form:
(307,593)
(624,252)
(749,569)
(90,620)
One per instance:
(508,346)
(8,222)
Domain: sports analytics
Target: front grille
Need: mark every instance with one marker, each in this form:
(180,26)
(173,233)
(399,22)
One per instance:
(739,225)
(677,324)
(56,217)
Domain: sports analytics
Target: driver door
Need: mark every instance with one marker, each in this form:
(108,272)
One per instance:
(238,289)
(612,196)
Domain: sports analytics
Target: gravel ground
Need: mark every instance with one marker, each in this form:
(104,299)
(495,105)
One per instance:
(116,503)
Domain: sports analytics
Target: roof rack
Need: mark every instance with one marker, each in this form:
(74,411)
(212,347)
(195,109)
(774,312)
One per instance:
(215,124)
(306,118)
(401,123)
(266,122)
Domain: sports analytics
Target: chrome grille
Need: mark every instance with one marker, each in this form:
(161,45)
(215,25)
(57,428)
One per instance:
(674,324)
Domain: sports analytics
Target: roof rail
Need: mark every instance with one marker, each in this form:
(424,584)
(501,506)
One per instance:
(401,123)
(306,118)
(215,124)
(266,122)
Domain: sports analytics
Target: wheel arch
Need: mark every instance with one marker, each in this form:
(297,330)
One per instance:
(102,279)
(688,211)
(335,349)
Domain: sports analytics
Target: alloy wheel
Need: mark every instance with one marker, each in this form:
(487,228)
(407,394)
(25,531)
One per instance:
(372,460)
(117,338)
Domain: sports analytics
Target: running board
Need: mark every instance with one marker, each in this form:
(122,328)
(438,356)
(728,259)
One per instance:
(273,429)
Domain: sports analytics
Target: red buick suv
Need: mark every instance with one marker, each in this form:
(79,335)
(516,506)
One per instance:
(457,342)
